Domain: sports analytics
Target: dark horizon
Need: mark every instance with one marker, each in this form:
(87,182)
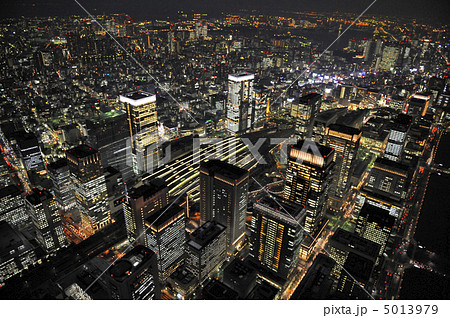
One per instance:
(432,13)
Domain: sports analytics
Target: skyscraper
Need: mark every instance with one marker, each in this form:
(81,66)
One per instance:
(397,137)
(375,224)
(239,105)
(308,179)
(46,220)
(165,232)
(345,142)
(141,201)
(307,109)
(12,208)
(135,276)
(223,198)
(89,183)
(276,234)
(206,250)
(260,102)
(62,184)
(143,126)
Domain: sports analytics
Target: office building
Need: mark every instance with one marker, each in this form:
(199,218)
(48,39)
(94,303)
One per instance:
(182,282)
(141,201)
(375,224)
(223,198)
(397,137)
(62,188)
(135,276)
(46,220)
(345,142)
(308,178)
(12,208)
(239,104)
(342,243)
(215,290)
(142,122)
(308,106)
(259,109)
(90,191)
(276,234)
(16,252)
(30,152)
(206,250)
(240,276)
(417,105)
(166,235)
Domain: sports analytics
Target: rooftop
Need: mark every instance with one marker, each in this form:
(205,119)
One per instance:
(202,236)
(147,189)
(164,216)
(130,262)
(223,169)
(309,98)
(377,215)
(37,196)
(12,190)
(82,151)
(353,242)
(137,98)
(280,208)
(61,163)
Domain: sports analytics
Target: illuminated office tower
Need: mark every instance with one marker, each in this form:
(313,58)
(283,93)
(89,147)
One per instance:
(62,184)
(12,208)
(397,137)
(307,109)
(276,234)
(30,152)
(388,59)
(342,243)
(259,109)
(386,188)
(143,125)
(223,198)
(308,179)
(135,276)
(345,142)
(239,104)
(166,235)
(16,252)
(89,184)
(375,224)
(206,250)
(141,201)
(46,220)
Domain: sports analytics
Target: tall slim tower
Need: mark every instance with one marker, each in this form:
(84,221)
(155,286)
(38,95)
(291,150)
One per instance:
(308,178)
(62,184)
(142,201)
(239,105)
(345,142)
(307,109)
(46,220)
(223,198)
(276,234)
(142,122)
(90,189)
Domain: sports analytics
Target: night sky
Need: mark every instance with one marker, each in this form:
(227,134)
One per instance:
(431,11)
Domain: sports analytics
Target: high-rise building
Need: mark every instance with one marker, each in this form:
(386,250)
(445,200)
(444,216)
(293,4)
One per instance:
(143,126)
(239,105)
(141,201)
(345,142)
(62,184)
(110,134)
(388,58)
(30,152)
(135,276)
(307,109)
(12,208)
(165,232)
(46,220)
(88,179)
(223,198)
(375,224)
(259,109)
(397,137)
(308,179)
(16,252)
(206,250)
(276,234)
(342,243)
